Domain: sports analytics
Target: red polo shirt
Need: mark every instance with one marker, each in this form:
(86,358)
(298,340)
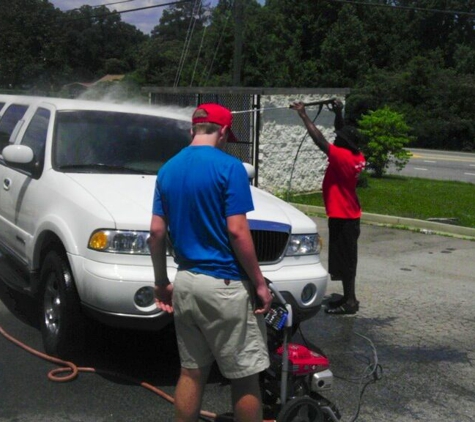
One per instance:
(339,183)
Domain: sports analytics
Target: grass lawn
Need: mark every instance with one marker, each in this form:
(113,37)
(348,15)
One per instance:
(412,198)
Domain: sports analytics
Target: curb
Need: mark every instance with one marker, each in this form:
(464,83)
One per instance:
(423,226)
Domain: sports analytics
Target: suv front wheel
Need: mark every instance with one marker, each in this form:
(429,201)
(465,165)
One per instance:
(62,321)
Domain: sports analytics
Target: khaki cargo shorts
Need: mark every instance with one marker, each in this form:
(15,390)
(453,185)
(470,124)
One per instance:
(215,320)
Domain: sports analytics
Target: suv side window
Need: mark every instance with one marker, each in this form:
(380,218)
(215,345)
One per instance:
(35,136)
(1,106)
(8,122)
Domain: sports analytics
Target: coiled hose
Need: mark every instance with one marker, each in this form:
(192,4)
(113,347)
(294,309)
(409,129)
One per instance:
(69,371)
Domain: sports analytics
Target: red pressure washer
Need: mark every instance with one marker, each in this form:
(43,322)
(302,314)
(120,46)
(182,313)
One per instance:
(292,385)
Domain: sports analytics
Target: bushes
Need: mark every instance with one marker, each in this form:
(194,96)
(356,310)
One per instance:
(438,104)
(385,134)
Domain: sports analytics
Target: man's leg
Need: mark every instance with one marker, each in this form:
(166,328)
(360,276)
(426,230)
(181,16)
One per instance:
(246,397)
(189,392)
(352,233)
(343,255)
(349,291)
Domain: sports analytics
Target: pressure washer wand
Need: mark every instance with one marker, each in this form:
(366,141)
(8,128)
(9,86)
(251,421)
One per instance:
(321,102)
(256,109)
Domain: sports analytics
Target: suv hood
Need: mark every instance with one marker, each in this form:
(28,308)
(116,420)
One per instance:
(268,207)
(128,199)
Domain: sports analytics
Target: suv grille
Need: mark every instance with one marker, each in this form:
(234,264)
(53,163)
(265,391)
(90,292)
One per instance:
(270,245)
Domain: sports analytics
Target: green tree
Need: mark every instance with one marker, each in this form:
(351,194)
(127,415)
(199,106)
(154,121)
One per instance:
(388,32)
(447,119)
(439,104)
(168,58)
(345,52)
(464,58)
(214,66)
(438,30)
(29,38)
(96,39)
(287,52)
(386,134)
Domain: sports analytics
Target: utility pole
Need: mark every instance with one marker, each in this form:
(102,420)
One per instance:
(237,58)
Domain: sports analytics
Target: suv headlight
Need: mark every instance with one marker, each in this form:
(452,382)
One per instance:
(303,244)
(120,241)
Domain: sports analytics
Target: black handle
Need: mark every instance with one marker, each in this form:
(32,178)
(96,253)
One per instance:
(320,102)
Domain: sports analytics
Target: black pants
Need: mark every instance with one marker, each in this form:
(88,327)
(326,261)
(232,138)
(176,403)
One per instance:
(343,252)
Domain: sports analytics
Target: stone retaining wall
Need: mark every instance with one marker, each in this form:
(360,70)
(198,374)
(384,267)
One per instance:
(288,158)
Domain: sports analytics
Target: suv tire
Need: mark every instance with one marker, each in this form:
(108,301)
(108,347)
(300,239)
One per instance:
(62,321)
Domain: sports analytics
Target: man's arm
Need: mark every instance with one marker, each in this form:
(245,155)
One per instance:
(313,131)
(337,108)
(243,246)
(157,243)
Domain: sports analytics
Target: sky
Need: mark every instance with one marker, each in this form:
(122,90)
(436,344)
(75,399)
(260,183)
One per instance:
(144,20)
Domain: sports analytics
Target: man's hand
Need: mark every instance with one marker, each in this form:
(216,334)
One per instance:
(300,107)
(335,106)
(265,299)
(313,131)
(163,297)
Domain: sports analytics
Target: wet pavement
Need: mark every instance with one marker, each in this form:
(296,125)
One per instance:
(416,292)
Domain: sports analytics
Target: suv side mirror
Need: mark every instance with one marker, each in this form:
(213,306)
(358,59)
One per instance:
(20,157)
(18,154)
(250,170)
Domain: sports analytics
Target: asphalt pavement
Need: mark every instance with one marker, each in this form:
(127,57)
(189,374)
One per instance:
(439,165)
(416,291)
(417,319)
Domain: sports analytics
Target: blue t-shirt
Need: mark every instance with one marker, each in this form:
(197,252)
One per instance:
(196,190)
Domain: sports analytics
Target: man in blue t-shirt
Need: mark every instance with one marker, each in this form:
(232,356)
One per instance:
(219,294)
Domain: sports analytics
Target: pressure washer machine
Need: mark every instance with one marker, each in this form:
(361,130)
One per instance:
(293,385)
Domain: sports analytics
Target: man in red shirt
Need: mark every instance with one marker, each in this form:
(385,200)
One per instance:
(345,163)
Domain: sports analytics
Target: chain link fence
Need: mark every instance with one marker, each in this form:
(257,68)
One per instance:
(267,131)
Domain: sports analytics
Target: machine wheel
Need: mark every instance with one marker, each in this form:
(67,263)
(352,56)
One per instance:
(301,409)
(62,321)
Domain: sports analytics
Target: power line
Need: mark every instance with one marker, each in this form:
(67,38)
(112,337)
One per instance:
(206,16)
(198,55)
(419,9)
(116,2)
(217,46)
(189,35)
(100,5)
(115,12)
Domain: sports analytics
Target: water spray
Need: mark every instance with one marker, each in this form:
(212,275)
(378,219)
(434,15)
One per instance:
(252,110)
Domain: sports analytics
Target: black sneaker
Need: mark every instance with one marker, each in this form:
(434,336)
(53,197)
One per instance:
(336,303)
(344,309)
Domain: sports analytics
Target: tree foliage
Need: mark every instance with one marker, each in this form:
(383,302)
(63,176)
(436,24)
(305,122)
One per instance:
(42,47)
(386,135)
(345,51)
(27,37)
(415,56)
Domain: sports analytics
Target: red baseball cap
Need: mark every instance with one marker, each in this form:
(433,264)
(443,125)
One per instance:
(217,114)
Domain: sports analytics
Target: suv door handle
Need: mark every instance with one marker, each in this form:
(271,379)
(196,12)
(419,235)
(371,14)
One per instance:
(7,183)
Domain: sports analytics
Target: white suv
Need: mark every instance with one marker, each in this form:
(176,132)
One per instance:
(75,208)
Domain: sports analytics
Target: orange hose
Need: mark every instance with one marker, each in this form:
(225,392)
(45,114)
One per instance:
(74,370)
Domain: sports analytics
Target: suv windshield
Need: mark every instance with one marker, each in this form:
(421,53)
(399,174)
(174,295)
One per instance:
(112,142)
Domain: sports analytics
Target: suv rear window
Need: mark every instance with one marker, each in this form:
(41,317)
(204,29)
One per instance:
(8,122)
(112,142)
